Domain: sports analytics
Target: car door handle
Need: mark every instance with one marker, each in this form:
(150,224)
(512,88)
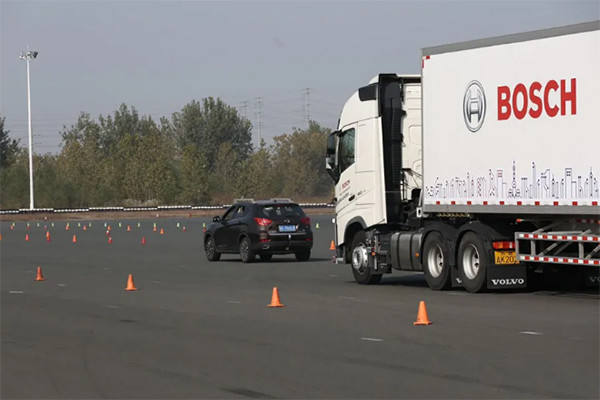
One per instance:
(352,197)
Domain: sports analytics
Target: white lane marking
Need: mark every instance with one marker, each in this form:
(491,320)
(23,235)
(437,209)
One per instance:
(109,306)
(531,333)
(16,291)
(368,339)
(234,302)
(61,284)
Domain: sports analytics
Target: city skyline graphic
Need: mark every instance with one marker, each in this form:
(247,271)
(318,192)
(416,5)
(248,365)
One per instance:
(548,185)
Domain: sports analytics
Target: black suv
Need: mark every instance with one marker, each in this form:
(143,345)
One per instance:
(265,227)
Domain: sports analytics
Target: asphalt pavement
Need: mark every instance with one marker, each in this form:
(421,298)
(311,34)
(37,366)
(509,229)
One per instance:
(199,329)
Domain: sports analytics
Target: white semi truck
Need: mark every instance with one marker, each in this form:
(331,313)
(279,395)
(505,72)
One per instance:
(481,171)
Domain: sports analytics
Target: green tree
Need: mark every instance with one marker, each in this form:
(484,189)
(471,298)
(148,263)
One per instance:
(256,177)
(194,177)
(298,162)
(14,182)
(209,124)
(9,148)
(224,177)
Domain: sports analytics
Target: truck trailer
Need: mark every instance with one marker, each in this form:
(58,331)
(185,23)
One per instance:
(482,171)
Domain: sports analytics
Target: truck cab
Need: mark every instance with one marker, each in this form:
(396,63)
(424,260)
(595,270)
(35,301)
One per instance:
(374,157)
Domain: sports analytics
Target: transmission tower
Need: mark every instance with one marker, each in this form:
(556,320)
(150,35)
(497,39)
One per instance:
(259,122)
(307,104)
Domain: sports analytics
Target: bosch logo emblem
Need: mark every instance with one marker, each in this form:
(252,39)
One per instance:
(474,106)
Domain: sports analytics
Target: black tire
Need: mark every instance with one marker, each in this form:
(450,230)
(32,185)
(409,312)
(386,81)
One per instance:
(246,252)
(266,257)
(436,266)
(210,248)
(303,255)
(473,260)
(360,268)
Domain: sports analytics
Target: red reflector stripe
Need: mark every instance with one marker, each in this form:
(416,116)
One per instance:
(574,203)
(519,203)
(537,203)
(555,203)
(485,203)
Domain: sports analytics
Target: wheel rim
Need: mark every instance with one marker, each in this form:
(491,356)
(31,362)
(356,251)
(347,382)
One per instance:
(470,261)
(435,261)
(210,247)
(244,249)
(360,259)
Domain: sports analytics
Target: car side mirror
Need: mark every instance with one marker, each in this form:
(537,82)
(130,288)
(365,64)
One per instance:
(216,219)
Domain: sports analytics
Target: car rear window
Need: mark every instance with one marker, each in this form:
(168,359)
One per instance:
(277,211)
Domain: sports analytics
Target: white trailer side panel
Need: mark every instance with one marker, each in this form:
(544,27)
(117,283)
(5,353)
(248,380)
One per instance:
(513,127)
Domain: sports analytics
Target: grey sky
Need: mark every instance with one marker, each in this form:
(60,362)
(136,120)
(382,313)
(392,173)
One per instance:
(160,55)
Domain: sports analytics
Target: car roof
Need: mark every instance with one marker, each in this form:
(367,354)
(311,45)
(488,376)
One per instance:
(266,202)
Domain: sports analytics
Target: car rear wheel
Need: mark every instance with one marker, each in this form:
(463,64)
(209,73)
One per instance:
(210,248)
(302,255)
(246,252)
(266,257)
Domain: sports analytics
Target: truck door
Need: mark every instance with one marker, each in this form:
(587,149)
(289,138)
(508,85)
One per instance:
(346,186)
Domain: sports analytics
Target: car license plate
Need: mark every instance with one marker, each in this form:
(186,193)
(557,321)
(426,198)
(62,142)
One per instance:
(287,228)
(505,257)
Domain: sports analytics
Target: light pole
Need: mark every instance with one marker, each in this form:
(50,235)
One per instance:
(28,56)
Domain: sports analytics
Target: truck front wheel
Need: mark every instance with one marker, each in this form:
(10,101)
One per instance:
(435,261)
(360,261)
(472,262)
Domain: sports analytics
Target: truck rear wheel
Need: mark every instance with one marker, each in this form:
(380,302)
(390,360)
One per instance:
(472,262)
(360,261)
(435,261)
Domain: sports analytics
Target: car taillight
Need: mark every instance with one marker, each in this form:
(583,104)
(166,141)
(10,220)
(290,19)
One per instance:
(263,221)
(305,220)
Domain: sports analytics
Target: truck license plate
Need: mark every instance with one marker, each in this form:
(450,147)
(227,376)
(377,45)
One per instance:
(505,257)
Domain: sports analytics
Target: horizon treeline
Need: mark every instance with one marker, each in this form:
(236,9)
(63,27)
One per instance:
(202,155)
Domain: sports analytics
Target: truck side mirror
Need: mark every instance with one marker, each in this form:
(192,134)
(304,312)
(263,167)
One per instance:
(330,166)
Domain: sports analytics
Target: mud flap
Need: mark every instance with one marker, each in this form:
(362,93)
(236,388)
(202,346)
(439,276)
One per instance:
(507,276)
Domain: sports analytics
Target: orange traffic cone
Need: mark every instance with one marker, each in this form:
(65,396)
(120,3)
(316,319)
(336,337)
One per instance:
(85,227)
(143,239)
(332,247)
(154,229)
(39,276)
(130,285)
(184,228)
(47,236)
(74,238)
(422,315)
(0,236)
(109,239)
(67,227)
(275,299)
(162,232)
(108,228)
(27,237)
(128,228)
